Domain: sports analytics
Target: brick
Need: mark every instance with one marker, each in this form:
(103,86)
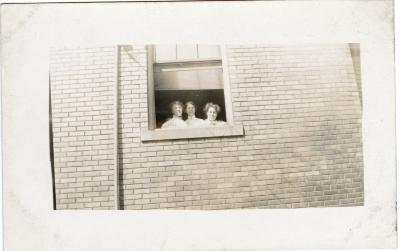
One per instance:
(302,147)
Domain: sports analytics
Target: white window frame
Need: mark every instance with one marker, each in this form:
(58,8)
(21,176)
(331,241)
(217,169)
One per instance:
(151,133)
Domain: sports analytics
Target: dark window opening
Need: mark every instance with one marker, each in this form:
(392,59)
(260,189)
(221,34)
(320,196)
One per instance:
(199,97)
(185,73)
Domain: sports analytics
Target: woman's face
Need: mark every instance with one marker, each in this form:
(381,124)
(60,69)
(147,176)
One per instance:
(211,114)
(190,110)
(177,110)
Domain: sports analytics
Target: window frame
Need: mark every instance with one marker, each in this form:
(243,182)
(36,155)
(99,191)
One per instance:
(151,133)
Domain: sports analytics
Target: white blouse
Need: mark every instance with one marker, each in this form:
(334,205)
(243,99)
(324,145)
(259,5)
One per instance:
(174,122)
(207,122)
(192,121)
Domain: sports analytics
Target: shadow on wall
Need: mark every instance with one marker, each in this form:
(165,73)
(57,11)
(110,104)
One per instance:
(355,55)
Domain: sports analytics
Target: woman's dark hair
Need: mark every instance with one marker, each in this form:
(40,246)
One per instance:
(209,105)
(190,103)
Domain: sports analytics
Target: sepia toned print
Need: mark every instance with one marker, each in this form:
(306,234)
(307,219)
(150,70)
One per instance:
(206,126)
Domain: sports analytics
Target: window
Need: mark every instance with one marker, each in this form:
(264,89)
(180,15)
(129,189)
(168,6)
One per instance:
(196,73)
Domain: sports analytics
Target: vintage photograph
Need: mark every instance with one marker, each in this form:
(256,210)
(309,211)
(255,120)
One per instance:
(199,125)
(206,126)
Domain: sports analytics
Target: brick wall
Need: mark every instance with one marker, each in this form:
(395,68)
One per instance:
(133,116)
(300,108)
(82,89)
(307,130)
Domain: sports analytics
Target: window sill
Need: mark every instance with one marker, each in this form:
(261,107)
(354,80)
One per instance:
(191,133)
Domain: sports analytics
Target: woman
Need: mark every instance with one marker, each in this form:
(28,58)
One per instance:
(211,110)
(192,121)
(176,121)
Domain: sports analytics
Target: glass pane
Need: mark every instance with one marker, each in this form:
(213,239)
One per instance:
(209,51)
(199,79)
(210,79)
(187,51)
(165,52)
